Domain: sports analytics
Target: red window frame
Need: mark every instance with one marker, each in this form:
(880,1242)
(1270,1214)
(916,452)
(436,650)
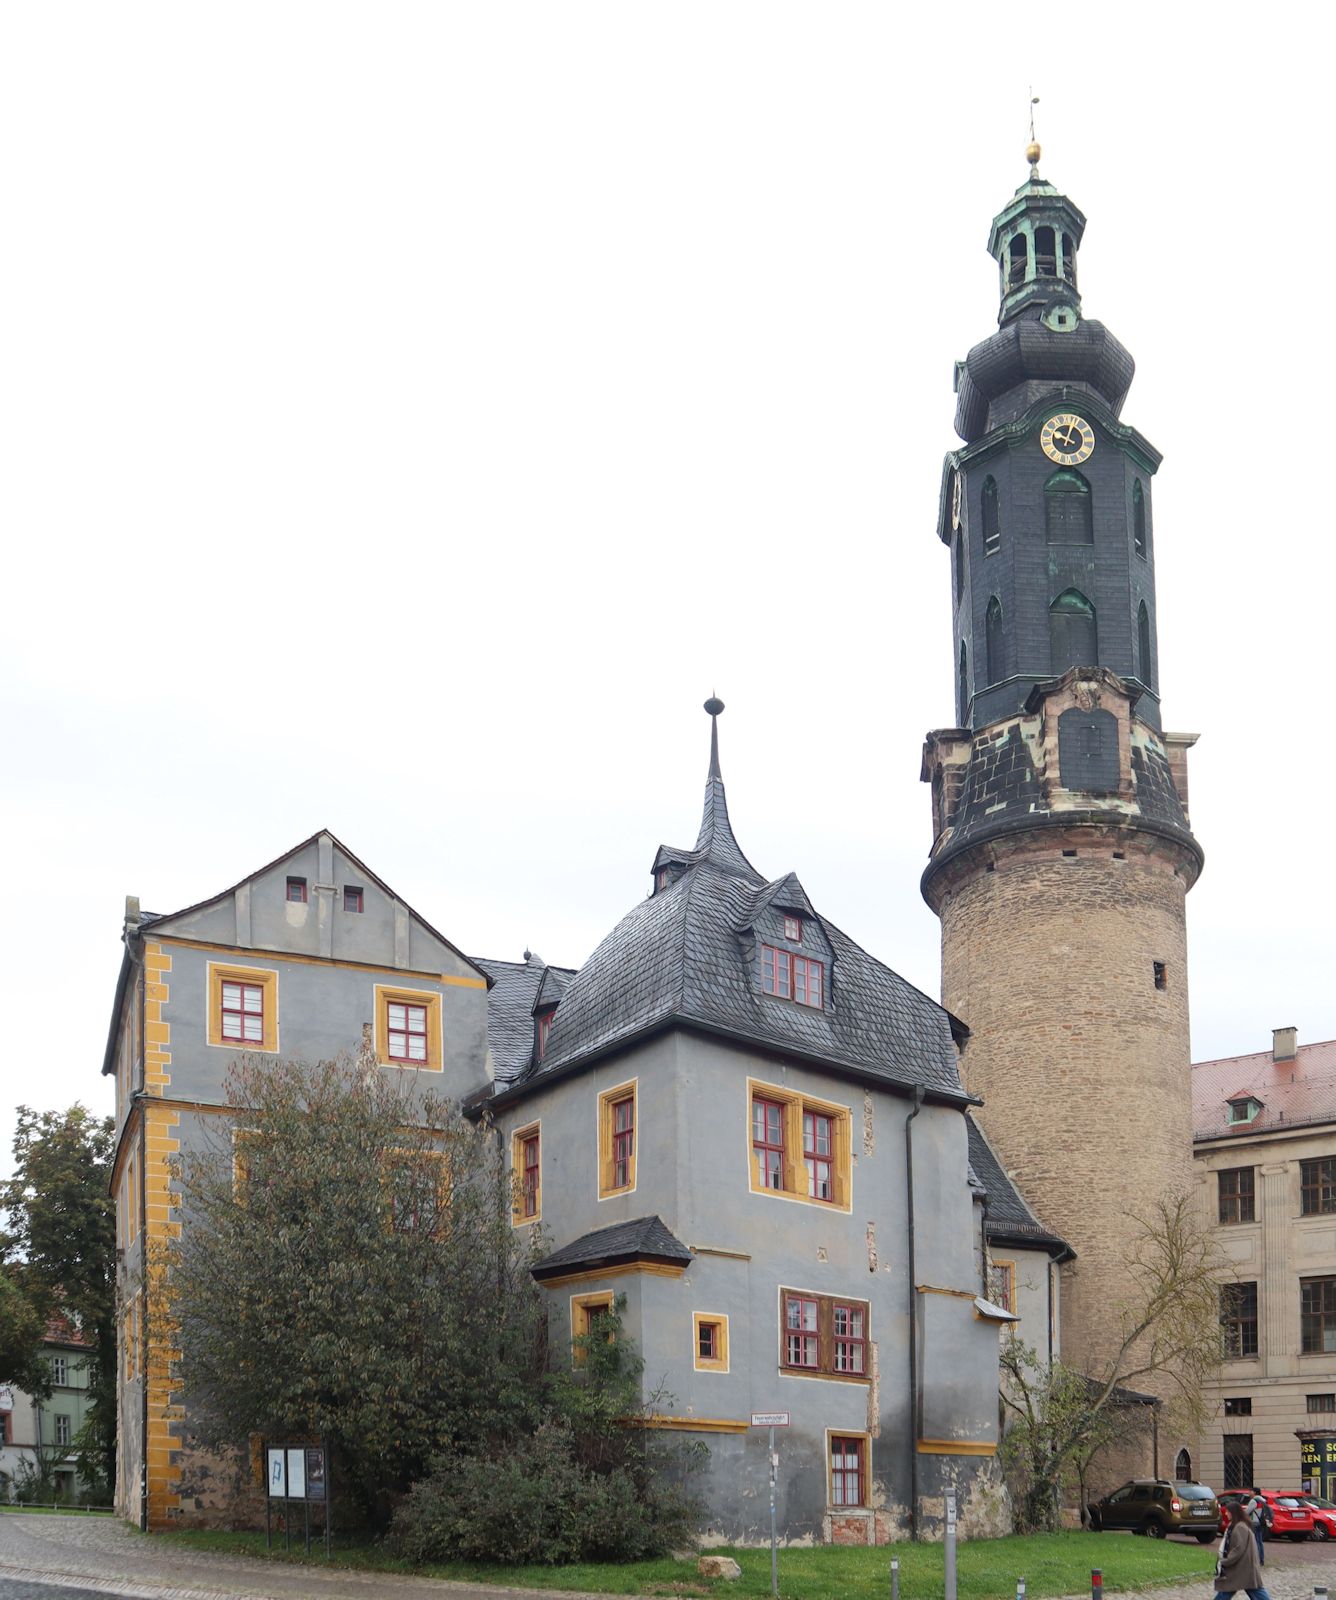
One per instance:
(802,1333)
(241,1011)
(545,1021)
(819,1155)
(851,1340)
(413,1027)
(791,977)
(299,885)
(623,1114)
(808,982)
(707,1341)
(352,899)
(768,1142)
(793,929)
(846,1471)
(529,1182)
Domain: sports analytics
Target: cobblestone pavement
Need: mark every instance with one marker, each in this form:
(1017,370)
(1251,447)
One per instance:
(70,1558)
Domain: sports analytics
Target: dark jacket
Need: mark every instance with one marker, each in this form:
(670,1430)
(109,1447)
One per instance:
(1239,1566)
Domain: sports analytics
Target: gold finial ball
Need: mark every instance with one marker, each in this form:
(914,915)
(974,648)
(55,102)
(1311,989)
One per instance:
(1033,152)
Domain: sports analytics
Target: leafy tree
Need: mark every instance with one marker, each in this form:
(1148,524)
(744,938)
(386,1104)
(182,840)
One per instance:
(21,1330)
(1165,1335)
(347,1268)
(61,1228)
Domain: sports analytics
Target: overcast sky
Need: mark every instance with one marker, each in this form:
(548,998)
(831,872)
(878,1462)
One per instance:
(412,412)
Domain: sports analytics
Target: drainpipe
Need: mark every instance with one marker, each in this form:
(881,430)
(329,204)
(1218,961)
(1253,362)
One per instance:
(914,1407)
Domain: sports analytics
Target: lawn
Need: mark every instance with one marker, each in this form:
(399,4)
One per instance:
(1051,1564)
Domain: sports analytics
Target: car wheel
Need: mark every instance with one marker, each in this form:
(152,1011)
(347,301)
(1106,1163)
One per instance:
(1096,1522)
(1321,1531)
(1153,1529)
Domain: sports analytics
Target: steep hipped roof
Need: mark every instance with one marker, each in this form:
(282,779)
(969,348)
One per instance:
(1010,1219)
(687,956)
(1293,1093)
(645,1239)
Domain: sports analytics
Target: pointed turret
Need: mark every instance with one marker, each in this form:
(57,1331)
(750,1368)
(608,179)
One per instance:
(715,842)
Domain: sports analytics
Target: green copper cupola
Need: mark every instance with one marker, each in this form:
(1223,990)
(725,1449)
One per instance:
(1034,240)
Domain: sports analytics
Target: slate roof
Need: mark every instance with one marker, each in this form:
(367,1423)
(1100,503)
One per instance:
(1293,1093)
(1009,1217)
(686,955)
(645,1239)
(1027,351)
(510,1005)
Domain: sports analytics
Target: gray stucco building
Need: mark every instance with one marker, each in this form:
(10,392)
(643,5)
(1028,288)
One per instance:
(716,1117)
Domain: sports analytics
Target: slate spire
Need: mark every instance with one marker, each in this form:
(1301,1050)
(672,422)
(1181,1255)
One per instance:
(715,841)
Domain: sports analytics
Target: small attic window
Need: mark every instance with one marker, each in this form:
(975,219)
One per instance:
(545,1021)
(1244,1109)
(297,891)
(793,929)
(352,898)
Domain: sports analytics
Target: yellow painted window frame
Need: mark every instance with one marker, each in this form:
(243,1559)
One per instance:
(630,1090)
(240,1171)
(581,1306)
(865,1473)
(795,1103)
(130,1336)
(387,995)
(518,1139)
(699,1362)
(444,1177)
(267,979)
(1010,1267)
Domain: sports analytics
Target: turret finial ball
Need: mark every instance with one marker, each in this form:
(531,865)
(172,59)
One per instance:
(1033,152)
(714,705)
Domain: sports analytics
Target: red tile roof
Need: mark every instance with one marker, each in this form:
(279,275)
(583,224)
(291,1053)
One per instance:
(1293,1093)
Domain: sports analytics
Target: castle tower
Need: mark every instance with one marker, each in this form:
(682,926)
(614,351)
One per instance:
(1062,853)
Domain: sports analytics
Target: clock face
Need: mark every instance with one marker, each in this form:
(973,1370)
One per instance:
(955,499)
(1067,439)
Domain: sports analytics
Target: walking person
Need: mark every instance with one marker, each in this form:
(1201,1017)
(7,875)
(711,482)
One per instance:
(1238,1566)
(1258,1512)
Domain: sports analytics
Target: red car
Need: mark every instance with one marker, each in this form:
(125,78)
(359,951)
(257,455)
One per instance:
(1324,1514)
(1289,1516)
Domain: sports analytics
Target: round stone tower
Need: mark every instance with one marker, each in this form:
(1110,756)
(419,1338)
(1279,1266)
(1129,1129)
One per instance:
(1062,853)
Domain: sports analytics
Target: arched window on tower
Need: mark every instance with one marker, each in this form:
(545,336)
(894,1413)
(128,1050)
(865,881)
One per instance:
(993,640)
(1183,1467)
(1018,254)
(964,686)
(1067,518)
(992,528)
(1143,646)
(958,556)
(1045,253)
(1069,259)
(1139,520)
(1072,639)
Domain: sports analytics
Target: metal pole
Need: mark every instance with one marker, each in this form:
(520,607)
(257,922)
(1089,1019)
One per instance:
(1020,1589)
(1319,1591)
(774,1538)
(949,1496)
(895,1578)
(1096,1585)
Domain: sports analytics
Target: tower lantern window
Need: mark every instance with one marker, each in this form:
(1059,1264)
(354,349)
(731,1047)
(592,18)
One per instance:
(1019,254)
(1069,259)
(1045,253)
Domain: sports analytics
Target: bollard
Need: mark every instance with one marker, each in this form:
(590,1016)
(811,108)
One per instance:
(1020,1589)
(895,1578)
(1096,1584)
(1319,1591)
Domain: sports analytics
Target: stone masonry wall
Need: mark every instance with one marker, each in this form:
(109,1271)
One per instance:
(1081,1060)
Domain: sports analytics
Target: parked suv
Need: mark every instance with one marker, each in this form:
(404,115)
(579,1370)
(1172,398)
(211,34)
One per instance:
(1288,1516)
(1156,1507)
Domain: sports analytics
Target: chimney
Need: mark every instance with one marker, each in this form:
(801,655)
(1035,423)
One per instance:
(1284,1043)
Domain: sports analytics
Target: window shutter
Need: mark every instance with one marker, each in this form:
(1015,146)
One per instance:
(795,1172)
(605,1171)
(842,1164)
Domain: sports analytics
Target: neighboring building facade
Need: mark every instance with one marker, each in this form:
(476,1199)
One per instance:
(41,1433)
(1062,853)
(1264,1138)
(312,957)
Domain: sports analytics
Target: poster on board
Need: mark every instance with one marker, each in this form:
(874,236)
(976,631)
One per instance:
(297,1474)
(277,1476)
(315,1474)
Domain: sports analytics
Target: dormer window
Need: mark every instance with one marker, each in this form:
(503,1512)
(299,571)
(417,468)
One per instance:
(1244,1108)
(793,929)
(545,1021)
(791,977)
